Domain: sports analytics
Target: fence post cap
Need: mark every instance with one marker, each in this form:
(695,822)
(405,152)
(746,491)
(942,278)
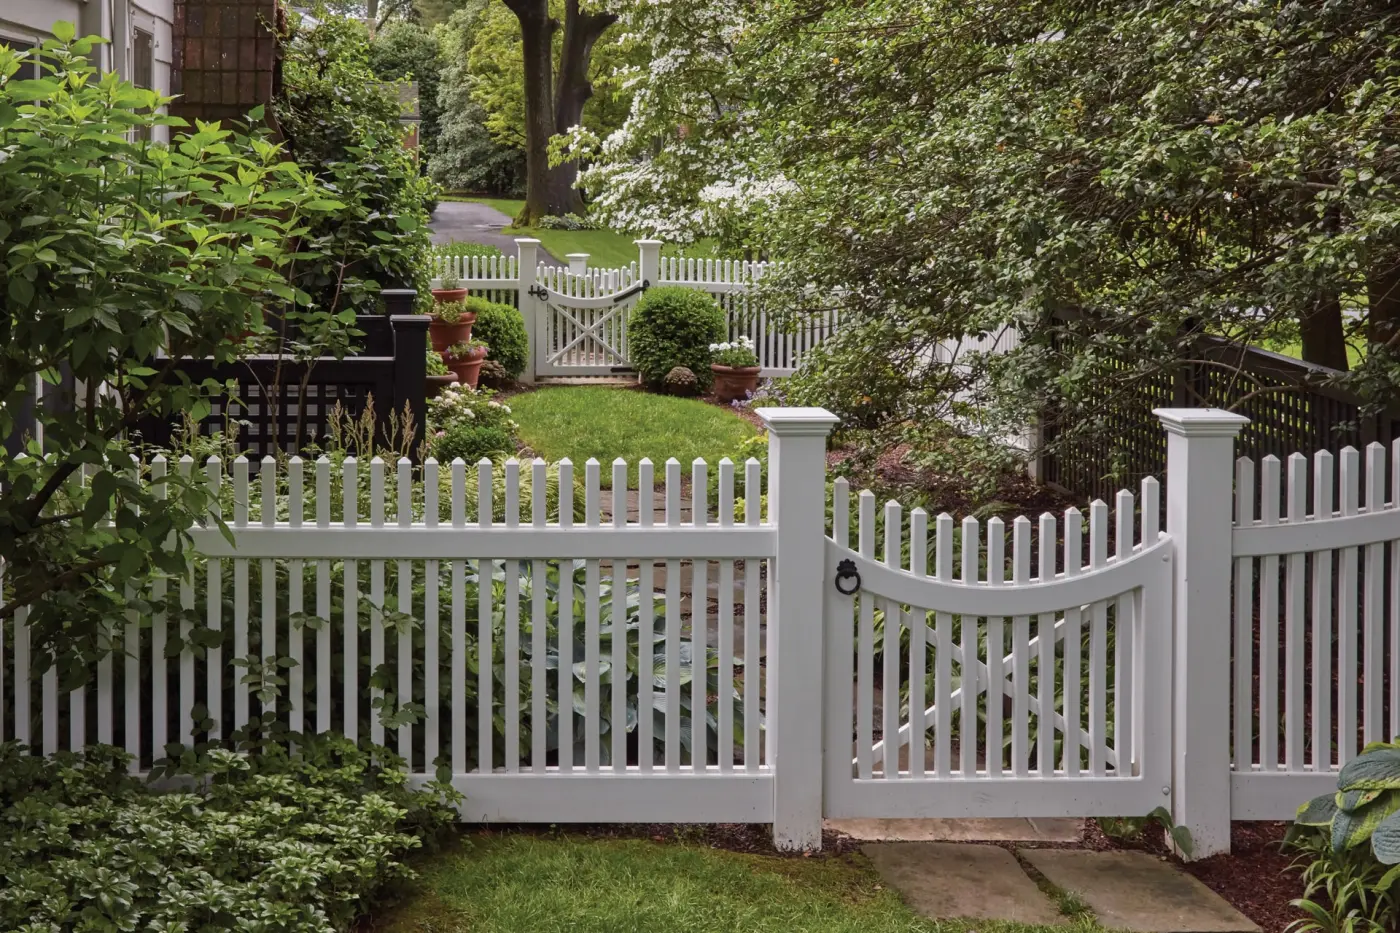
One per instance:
(526,241)
(409,321)
(577,255)
(1201,422)
(790,422)
(647,242)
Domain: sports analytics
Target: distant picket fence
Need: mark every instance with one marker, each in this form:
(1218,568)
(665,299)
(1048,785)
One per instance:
(577,315)
(740,656)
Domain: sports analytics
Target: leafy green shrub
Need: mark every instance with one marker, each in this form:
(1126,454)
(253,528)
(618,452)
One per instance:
(471,442)
(1332,832)
(267,842)
(566,222)
(343,123)
(503,329)
(672,327)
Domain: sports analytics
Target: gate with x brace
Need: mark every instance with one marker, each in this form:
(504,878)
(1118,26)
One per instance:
(581,326)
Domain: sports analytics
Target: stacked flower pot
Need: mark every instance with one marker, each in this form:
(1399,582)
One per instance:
(451,336)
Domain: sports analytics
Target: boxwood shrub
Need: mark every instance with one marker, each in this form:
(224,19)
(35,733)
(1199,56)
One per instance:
(674,326)
(503,330)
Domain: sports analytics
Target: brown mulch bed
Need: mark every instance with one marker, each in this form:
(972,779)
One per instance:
(1254,878)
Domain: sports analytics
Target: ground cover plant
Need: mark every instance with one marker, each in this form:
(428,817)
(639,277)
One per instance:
(267,842)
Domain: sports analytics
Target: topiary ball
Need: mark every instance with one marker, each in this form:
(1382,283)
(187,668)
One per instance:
(671,327)
(681,381)
(493,375)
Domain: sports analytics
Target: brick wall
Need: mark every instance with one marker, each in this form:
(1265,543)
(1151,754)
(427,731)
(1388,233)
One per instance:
(225,57)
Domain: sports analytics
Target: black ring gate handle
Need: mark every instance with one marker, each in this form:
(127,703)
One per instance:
(847,570)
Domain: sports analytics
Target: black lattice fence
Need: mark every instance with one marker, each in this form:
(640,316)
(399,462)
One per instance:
(280,404)
(1289,407)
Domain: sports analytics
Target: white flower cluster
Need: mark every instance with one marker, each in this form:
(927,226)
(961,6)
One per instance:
(743,343)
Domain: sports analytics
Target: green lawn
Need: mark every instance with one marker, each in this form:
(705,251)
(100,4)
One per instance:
(563,884)
(579,422)
(605,248)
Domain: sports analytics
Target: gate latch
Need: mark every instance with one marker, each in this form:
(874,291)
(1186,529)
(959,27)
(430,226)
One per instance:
(538,291)
(846,570)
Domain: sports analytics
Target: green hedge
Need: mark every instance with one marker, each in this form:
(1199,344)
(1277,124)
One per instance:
(672,327)
(503,330)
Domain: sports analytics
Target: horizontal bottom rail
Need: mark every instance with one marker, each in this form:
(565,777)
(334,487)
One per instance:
(1276,795)
(627,797)
(1002,797)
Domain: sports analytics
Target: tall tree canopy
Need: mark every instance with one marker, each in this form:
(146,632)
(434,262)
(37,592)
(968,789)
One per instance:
(1150,168)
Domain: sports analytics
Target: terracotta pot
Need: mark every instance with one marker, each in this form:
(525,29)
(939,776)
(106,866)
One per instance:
(468,368)
(444,295)
(733,383)
(437,383)
(444,335)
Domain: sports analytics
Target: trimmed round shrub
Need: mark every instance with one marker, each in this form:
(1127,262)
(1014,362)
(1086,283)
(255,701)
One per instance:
(503,330)
(672,327)
(472,441)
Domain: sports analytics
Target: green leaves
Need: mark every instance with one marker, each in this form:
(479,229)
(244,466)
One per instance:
(337,822)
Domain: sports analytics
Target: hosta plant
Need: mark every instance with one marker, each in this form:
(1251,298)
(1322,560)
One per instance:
(1350,844)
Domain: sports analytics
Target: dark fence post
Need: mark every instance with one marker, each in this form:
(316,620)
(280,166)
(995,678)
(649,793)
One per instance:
(411,372)
(399,301)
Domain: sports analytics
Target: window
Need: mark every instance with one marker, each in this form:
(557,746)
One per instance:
(143,68)
(30,69)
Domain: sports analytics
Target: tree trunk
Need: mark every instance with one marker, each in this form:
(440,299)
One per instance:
(1383,294)
(551,109)
(1321,328)
(536,43)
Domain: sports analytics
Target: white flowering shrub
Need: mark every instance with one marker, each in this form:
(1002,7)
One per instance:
(471,425)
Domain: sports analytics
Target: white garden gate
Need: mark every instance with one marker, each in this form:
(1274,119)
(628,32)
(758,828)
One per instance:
(990,667)
(581,321)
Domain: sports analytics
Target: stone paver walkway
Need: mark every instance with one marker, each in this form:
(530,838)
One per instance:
(943,880)
(1139,892)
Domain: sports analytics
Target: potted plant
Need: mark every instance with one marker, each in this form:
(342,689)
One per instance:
(465,359)
(439,376)
(736,369)
(450,325)
(449,289)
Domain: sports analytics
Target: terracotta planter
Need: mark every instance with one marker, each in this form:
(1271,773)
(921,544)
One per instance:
(437,383)
(468,368)
(444,295)
(733,383)
(444,335)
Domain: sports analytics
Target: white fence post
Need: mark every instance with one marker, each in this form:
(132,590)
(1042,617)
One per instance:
(1200,474)
(578,263)
(526,302)
(796,506)
(650,266)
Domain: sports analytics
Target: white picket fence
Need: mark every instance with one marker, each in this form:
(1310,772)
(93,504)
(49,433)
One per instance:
(1089,664)
(577,316)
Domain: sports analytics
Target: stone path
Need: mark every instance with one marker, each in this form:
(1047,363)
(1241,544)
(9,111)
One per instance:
(942,880)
